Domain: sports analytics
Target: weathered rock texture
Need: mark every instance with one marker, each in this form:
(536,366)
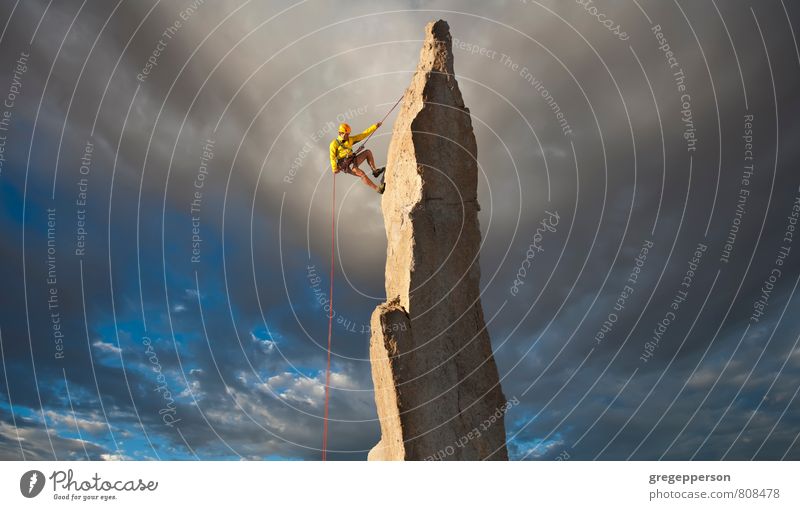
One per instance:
(436,384)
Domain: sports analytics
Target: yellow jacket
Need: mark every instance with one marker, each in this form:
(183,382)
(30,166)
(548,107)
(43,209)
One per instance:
(342,148)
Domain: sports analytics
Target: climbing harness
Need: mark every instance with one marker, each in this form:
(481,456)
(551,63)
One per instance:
(330,291)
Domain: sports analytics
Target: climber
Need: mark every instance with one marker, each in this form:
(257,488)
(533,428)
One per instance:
(343,159)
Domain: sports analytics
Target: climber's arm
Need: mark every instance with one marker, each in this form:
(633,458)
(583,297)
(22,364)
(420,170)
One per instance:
(333,156)
(369,131)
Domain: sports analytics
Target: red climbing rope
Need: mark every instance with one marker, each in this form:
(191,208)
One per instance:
(330,322)
(330,298)
(381,121)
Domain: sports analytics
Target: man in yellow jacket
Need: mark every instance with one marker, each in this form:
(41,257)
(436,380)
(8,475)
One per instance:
(344,160)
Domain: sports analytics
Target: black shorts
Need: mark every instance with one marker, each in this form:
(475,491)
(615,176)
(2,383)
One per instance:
(345,165)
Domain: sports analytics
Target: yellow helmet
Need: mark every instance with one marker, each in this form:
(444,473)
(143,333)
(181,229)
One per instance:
(344,128)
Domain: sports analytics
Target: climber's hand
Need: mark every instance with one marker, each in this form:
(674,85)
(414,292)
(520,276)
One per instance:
(378,124)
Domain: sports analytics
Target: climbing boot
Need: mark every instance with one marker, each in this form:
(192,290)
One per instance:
(379,171)
(382,188)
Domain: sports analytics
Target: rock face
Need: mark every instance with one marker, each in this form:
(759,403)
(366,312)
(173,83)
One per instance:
(436,384)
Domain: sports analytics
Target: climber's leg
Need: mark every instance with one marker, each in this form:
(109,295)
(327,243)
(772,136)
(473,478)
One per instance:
(360,174)
(367,154)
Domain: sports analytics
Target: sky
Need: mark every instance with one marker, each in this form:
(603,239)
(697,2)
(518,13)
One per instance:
(165,200)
